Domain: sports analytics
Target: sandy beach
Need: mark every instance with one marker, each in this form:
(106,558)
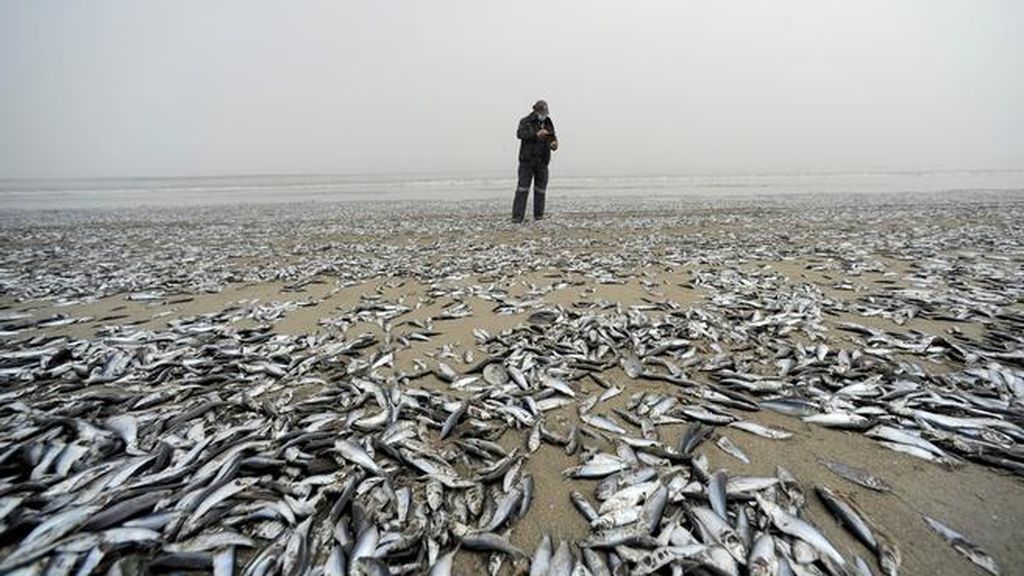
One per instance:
(870,290)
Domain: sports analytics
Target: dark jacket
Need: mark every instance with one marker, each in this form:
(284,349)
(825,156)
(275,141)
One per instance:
(533,150)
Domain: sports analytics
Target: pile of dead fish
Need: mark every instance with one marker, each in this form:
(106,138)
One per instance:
(208,447)
(75,255)
(214,447)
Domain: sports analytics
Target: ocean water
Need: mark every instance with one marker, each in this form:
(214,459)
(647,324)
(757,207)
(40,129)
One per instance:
(18,195)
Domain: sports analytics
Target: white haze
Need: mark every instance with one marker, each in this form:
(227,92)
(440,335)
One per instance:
(179,88)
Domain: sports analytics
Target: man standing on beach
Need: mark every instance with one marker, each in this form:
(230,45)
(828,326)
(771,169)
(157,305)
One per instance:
(537,139)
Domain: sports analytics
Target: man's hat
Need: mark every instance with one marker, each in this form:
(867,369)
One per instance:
(540,105)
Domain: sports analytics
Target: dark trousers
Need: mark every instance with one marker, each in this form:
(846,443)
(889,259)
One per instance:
(538,174)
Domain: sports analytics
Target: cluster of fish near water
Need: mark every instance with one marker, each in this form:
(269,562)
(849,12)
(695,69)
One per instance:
(212,447)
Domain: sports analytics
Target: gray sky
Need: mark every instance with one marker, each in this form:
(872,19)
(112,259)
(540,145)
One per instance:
(147,88)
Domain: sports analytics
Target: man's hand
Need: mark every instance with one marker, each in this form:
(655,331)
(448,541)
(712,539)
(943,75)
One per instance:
(554,144)
(542,133)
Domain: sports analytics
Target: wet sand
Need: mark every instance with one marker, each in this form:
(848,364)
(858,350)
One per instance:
(985,504)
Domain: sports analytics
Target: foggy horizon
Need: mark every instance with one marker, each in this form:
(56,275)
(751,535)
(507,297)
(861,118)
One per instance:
(509,174)
(125,90)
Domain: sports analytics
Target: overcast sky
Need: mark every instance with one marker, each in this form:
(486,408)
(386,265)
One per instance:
(147,88)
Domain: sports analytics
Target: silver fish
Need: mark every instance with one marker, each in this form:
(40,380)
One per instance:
(357,455)
(961,544)
(857,475)
(540,565)
(799,528)
(759,430)
(731,449)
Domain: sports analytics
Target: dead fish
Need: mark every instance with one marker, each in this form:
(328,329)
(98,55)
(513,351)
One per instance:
(891,434)
(763,560)
(489,542)
(562,561)
(844,420)
(559,385)
(799,528)
(857,475)
(495,374)
(434,492)
(595,562)
(126,427)
(631,365)
(716,529)
(444,564)
(583,505)
(446,372)
(609,394)
(731,449)
(790,406)
(759,430)
(540,565)
(506,506)
(40,539)
(848,516)
(961,544)
(357,455)
(453,420)
(742,485)
(573,441)
(602,423)
(654,560)
(543,317)
(553,403)
(599,466)
(527,487)
(706,415)
(533,439)
(369,566)
(695,434)
(623,536)
(607,487)
(717,493)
